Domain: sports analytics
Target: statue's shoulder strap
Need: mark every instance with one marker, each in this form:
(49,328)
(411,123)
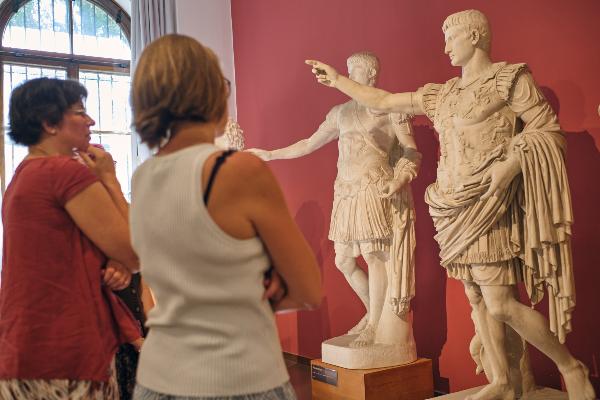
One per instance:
(506,77)
(432,94)
(363,130)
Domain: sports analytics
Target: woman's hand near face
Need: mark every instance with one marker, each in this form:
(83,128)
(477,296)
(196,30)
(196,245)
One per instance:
(103,166)
(100,162)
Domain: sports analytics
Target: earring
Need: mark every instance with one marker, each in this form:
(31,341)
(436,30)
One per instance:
(165,140)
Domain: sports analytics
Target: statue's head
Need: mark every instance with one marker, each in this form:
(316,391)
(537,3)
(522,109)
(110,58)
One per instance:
(465,32)
(363,68)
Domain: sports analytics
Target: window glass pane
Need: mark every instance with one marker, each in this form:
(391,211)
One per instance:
(14,75)
(108,105)
(32,9)
(39,25)
(100,23)
(108,99)
(94,31)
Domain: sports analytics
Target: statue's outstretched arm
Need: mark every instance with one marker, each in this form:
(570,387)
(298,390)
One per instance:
(408,103)
(327,132)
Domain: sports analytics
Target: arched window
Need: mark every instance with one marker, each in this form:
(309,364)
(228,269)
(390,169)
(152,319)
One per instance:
(86,40)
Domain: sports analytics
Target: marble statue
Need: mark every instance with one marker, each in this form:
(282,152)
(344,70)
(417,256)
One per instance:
(500,204)
(232,137)
(372,217)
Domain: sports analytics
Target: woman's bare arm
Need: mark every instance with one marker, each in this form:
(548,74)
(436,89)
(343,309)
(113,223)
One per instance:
(147,297)
(103,165)
(260,203)
(96,214)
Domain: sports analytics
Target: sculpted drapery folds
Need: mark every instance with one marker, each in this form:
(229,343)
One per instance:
(532,219)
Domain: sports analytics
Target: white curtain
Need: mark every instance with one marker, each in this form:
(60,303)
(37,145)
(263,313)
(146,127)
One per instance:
(150,19)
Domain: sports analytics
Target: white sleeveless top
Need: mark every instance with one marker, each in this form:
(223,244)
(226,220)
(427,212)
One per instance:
(210,332)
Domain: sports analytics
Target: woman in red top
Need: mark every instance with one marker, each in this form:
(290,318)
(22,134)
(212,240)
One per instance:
(60,324)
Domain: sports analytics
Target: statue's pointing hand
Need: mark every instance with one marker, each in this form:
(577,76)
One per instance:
(325,74)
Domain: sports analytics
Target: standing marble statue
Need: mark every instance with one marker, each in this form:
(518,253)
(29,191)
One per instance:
(501,203)
(372,217)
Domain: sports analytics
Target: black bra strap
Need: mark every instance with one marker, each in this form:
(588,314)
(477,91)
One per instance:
(220,160)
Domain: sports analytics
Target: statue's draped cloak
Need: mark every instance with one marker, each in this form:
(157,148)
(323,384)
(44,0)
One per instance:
(534,212)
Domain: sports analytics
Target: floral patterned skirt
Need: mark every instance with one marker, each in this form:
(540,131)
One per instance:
(59,389)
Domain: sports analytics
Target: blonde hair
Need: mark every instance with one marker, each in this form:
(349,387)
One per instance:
(471,20)
(176,79)
(365,59)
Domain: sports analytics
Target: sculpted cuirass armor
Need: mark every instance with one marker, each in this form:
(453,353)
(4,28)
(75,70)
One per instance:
(475,125)
(364,145)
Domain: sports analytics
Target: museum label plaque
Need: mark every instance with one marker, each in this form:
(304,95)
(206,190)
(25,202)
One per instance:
(412,381)
(326,375)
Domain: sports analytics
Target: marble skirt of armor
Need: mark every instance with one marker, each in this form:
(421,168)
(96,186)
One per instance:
(283,392)
(492,259)
(362,223)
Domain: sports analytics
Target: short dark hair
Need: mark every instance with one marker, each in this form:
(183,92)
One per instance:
(37,101)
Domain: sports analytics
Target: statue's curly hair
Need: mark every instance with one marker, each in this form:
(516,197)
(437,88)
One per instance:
(471,20)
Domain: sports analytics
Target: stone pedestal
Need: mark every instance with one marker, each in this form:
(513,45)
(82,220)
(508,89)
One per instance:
(412,381)
(337,351)
(540,394)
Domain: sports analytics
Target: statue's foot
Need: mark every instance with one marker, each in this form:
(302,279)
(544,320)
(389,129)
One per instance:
(362,324)
(577,381)
(494,391)
(366,338)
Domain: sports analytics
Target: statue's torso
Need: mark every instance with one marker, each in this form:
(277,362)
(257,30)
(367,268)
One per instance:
(474,126)
(365,143)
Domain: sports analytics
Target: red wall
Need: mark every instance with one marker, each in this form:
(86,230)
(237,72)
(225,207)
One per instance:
(279,103)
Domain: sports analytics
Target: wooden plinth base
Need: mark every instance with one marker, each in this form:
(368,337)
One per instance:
(540,394)
(412,381)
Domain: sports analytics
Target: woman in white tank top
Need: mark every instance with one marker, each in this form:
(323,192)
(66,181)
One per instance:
(208,226)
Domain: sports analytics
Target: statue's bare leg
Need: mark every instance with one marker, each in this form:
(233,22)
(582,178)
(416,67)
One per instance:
(519,366)
(358,281)
(533,327)
(491,332)
(377,289)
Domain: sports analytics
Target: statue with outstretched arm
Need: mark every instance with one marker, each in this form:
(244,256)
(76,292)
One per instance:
(500,204)
(373,214)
